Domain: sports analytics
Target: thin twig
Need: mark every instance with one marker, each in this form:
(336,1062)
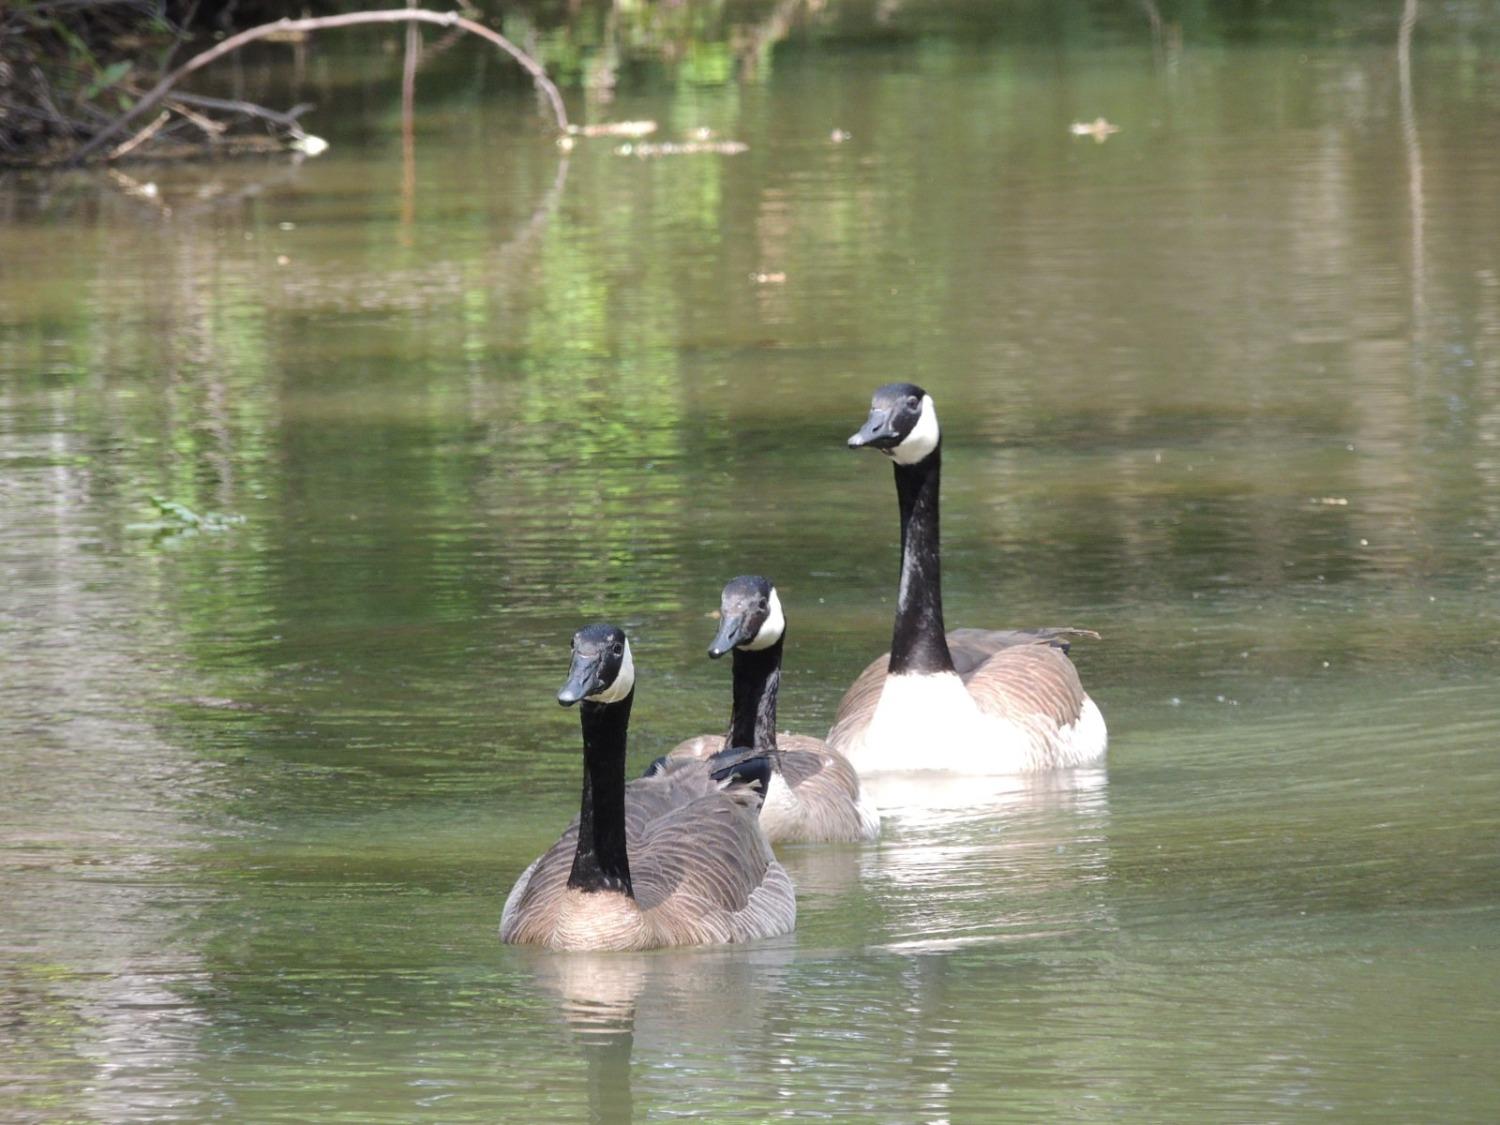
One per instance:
(140,137)
(321,23)
(207,124)
(285,118)
(441,46)
(44,96)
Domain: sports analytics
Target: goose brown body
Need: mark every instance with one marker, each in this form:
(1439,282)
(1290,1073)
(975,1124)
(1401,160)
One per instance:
(815,796)
(701,870)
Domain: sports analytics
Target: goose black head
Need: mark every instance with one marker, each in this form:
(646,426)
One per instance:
(902,424)
(602,670)
(750,616)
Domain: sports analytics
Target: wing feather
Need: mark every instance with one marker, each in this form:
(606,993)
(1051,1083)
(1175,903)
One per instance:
(532,911)
(700,866)
(972,647)
(823,801)
(859,702)
(699,746)
(1032,685)
(707,874)
(828,805)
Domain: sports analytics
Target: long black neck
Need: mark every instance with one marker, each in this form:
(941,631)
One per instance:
(757,679)
(917,642)
(600,863)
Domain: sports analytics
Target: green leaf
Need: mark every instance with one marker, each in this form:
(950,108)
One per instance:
(110,75)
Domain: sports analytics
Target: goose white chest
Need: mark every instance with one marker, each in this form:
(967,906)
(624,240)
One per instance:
(930,722)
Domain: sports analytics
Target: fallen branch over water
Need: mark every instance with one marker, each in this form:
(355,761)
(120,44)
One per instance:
(292,27)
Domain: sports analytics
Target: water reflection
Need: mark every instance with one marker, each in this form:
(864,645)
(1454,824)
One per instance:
(1413,145)
(660,1000)
(102,815)
(621,1005)
(980,860)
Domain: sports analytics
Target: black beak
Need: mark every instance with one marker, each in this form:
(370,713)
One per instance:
(583,679)
(734,630)
(876,431)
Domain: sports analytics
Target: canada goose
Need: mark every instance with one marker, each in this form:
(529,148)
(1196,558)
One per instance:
(972,701)
(674,859)
(814,794)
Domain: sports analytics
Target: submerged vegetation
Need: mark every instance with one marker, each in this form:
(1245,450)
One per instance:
(178,519)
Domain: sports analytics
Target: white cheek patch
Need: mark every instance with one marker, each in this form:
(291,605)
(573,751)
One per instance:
(623,684)
(770,632)
(923,438)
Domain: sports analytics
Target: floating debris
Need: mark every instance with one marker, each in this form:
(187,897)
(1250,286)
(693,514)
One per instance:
(684,148)
(839,136)
(309,145)
(702,133)
(1100,129)
(776,278)
(1332,501)
(614,129)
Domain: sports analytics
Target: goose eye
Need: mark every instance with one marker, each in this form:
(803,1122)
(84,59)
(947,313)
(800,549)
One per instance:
(618,648)
(913,403)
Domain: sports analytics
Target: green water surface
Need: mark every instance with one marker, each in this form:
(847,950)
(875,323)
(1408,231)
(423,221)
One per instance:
(1225,387)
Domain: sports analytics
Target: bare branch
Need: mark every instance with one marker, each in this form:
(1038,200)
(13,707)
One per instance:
(287,119)
(207,124)
(321,23)
(143,135)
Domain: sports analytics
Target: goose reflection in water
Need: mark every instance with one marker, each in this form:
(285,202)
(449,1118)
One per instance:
(975,860)
(713,1003)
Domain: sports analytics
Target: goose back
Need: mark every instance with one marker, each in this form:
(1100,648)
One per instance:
(820,799)
(701,870)
(815,796)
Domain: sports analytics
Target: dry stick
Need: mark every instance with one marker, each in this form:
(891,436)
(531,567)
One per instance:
(320,23)
(140,137)
(44,96)
(286,119)
(207,124)
(179,103)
